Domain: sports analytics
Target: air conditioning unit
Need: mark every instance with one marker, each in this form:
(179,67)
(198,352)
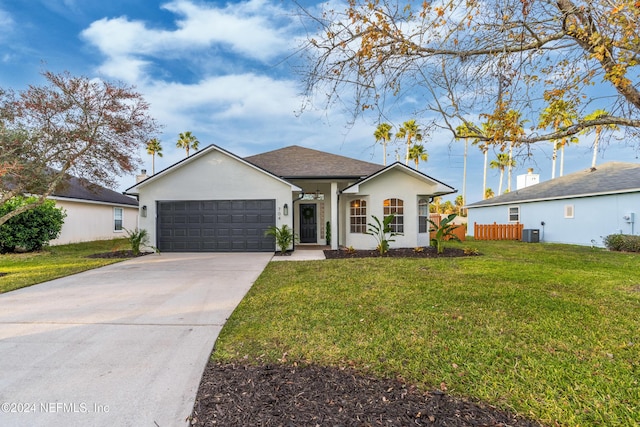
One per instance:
(531,235)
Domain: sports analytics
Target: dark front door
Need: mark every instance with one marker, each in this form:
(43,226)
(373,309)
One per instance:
(308,224)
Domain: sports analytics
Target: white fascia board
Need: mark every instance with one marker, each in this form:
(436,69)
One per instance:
(92,202)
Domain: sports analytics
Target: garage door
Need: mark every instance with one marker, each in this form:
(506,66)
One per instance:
(215,225)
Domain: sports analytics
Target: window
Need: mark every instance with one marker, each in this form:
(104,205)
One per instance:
(568,211)
(395,207)
(514,214)
(358,216)
(423,216)
(117,219)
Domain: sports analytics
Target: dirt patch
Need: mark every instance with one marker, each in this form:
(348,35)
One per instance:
(421,252)
(118,254)
(286,395)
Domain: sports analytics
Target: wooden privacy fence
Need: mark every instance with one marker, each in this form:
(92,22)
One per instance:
(460,230)
(497,231)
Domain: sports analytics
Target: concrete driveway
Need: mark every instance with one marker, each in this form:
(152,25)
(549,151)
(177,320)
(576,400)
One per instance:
(121,345)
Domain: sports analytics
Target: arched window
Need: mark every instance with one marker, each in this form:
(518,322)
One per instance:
(395,207)
(358,216)
(423,216)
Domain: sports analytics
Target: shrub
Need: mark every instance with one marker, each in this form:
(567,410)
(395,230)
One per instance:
(470,250)
(284,236)
(136,239)
(328,233)
(622,242)
(444,231)
(382,233)
(32,229)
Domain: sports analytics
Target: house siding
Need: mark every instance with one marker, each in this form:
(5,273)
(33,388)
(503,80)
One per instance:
(393,184)
(213,176)
(593,217)
(86,221)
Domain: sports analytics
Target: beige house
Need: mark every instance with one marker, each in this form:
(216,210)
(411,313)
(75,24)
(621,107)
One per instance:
(216,201)
(93,212)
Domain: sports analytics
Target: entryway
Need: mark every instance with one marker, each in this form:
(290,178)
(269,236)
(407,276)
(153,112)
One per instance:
(308,223)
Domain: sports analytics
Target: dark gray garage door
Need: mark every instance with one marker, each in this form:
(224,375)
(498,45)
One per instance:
(215,225)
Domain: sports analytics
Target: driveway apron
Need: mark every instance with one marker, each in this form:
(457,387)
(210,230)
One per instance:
(122,345)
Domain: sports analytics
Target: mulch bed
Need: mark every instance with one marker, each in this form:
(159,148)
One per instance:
(422,252)
(289,395)
(118,254)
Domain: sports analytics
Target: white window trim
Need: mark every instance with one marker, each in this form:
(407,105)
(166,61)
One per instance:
(509,213)
(364,226)
(569,211)
(423,216)
(121,219)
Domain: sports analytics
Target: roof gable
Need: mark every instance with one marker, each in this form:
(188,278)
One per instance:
(441,188)
(608,178)
(299,162)
(134,188)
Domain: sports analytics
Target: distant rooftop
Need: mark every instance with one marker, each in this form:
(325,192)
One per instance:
(608,178)
(82,189)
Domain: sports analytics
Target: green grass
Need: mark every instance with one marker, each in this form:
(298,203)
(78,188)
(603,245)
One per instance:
(551,332)
(21,270)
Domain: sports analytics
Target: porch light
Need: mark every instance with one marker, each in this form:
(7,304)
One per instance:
(144,211)
(285,209)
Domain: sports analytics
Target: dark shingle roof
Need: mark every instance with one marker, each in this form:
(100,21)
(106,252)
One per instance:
(298,162)
(608,178)
(81,189)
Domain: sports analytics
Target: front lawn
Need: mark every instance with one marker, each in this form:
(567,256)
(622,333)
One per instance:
(21,270)
(551,332)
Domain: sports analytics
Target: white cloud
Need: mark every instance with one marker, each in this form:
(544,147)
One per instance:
(253,30)
(6,22)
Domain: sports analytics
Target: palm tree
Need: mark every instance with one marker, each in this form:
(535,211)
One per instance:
(187,140)
(417,153)
(465,132)
(599,128)
(488,193)
(154,148)
(502,162)
(409,130)
(383,135)
(459,202)
(514,131)
(559,113)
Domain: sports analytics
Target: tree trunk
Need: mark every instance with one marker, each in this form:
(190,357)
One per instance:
(510,166)
(595,147)
(384,153)
(562,159)
(553,162)
(484,176)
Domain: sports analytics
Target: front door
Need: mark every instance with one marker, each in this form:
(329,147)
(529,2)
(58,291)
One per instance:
(308,223)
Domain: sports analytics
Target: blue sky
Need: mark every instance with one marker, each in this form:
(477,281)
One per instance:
(225,72)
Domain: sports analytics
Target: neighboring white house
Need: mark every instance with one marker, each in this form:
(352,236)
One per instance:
(216,201)
(580,208)
(93,212)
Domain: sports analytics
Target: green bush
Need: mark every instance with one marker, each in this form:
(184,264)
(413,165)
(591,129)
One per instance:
(32,229)
(284,236)
(622,242)
(137,238)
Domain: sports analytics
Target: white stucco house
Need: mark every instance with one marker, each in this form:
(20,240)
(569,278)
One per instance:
(580,208)
(93,212)
(216,201)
